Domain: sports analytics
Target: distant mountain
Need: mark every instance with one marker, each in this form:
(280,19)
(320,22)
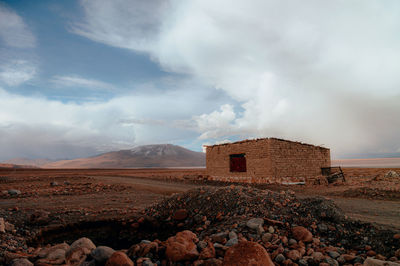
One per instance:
(162,155)
(26,161)
(9,165)
(370,162)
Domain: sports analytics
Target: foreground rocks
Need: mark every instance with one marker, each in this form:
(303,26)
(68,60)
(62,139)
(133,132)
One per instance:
(226,226)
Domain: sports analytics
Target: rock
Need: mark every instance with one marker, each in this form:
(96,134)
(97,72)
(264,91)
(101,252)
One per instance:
(83,242)
(220,237)
(45,253)
(331,261)
(21,262)
(57,254)
(292,242)
(280,258)
(182,246)
(333,254)
(271,229)
(341,259)
(260,230)
(148,263)
(202,244)
(397,253)
(9,227)
(318,256)
(266,237)
(300,233)
(349,257)
(119,259)
(247,253)
(293,254)
(302,262)
(14,192)
(180,215)
(76,256)
(254,223)
(79,250)
(392,173)
(231,242)
(208,252)
(232,235)
(375,262)
(54,183)
(101,254)
(212,262)
(2,226)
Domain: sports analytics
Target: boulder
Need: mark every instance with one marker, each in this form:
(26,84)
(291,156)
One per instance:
(255,223)
(182,246)
(21,262)
(101,254)
(14,192)
(301,233)
(79,250)
(375,262)
(247,253)
(119,259)
(180,215)
(83,242)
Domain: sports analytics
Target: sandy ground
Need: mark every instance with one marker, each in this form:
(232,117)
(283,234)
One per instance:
(93,194)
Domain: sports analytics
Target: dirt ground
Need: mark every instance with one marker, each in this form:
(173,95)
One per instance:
(68,196)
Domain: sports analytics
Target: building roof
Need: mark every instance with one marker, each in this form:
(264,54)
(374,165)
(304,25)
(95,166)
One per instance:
(263,139)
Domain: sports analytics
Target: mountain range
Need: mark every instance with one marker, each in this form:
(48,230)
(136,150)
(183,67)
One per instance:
(159,155)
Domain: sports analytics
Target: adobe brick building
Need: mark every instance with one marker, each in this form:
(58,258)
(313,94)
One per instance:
(267,160)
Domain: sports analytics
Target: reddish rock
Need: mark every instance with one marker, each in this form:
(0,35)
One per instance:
(300,233)
(76,256)
(397,253)
(208,252)
(293,254)
(371,253)
(396,236)
(247,253)
(349,257)
(180,215)
(182,246)
(119,259)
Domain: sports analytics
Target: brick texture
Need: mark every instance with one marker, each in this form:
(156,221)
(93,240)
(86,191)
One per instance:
(268,160)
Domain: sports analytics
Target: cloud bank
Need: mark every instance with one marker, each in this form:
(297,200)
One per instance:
(325,73)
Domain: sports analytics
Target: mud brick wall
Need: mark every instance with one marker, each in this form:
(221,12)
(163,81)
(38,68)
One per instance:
(257,162)
(267,161)
(295,161)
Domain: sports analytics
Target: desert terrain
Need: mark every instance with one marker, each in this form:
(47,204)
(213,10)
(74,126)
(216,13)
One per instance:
(118,208)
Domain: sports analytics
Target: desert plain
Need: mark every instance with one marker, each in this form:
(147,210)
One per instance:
(136,209)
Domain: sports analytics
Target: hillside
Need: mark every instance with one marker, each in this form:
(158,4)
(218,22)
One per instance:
(162,155)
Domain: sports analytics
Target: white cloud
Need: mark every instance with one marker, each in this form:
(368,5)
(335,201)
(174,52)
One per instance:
(13,30)
(122,23)
(16,72)
(308,70)
(80,82)
(217,123)
(34,126)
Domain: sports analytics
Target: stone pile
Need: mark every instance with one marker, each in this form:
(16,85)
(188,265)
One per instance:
(231,226)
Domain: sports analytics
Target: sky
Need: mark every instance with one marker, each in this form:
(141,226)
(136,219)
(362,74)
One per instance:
(79,78)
